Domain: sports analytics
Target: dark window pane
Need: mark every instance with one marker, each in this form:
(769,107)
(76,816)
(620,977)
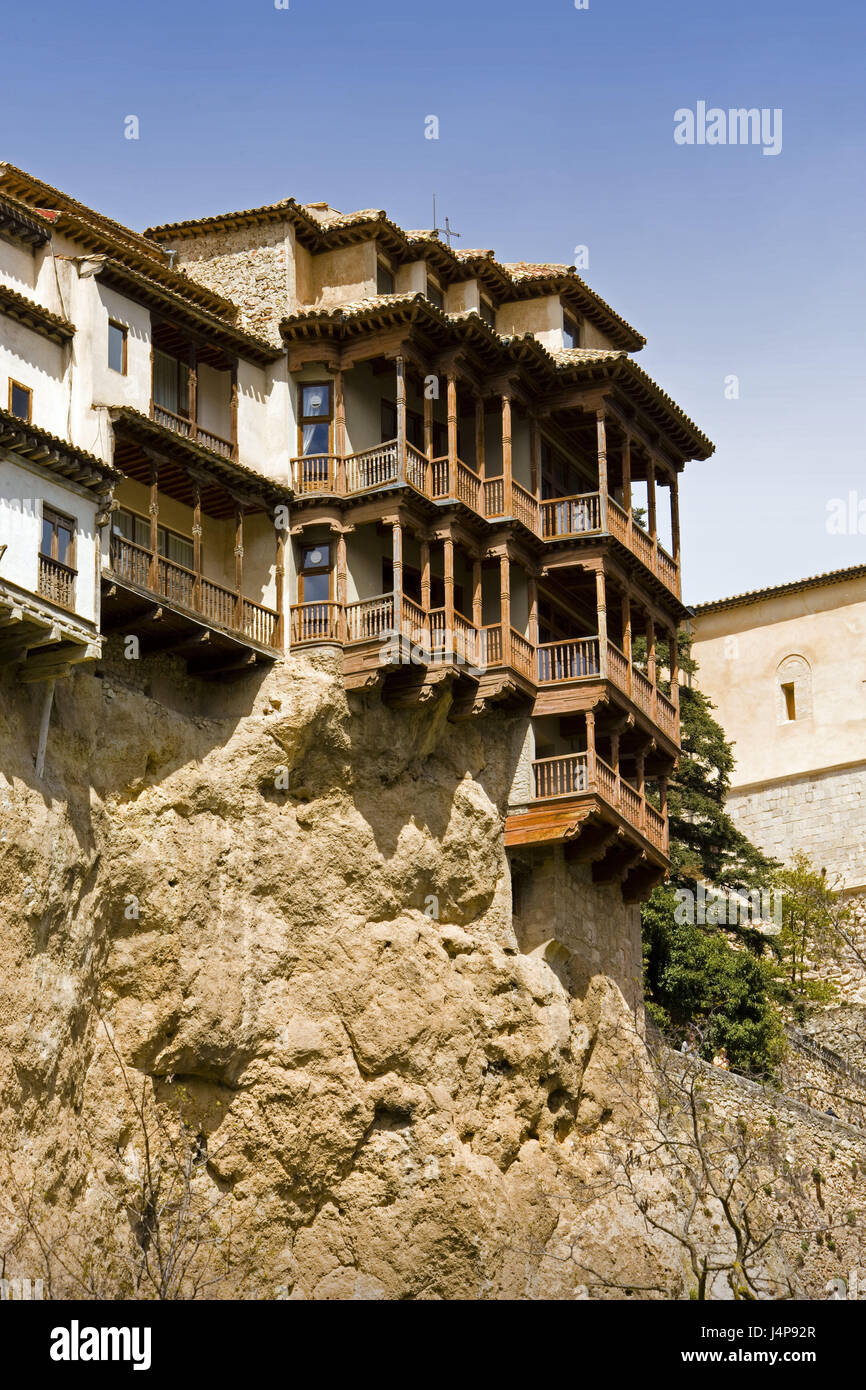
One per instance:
(47,534)
(316,439)
(64,544)
(317,588)
(315,401)
(116,344)
(20,402)
(435,295)
(488,313)
(384,279)
(389,421)
(316,557)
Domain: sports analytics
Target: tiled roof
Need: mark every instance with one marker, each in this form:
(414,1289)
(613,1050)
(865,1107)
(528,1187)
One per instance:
(38,446)
(18,306)
(794,586)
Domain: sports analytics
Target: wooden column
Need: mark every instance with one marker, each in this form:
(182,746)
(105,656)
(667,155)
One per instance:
(425,576)
(651,500)
(192,389)
(663,807)
(239,565)
(534,458)
(640,762)
(234,409)
(674,668)
(532,587)
(397,566)
(601,432)
(505,607)
(614,761)
(342,586)
(401,417)
(601,608)
(590,749)
(196,542)
(452,429)
(480,459)
(428,442)
(340,430)
(675,523)
(153,564)
(449,593)
(280,579)
(506,453)
(651,659)
(626,636)
(626,476)
(477,605)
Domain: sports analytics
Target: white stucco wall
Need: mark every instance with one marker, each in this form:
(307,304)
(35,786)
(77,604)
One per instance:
(24,491)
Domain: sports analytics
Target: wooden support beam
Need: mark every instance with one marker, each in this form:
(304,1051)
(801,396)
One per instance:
(401,417)
(601,437)
(340,429)
(452,428)
(505,607)
(477,607)
(234,409)
(506,453)
(153,564)
(534,457)
(239,565)
(449,587)
(425,576)
(480,456)
(601,610)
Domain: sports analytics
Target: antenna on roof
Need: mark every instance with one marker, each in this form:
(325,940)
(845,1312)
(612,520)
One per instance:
(446,230)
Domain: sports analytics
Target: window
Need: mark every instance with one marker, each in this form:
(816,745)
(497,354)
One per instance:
(388,418)
(570,332)
(20,401)
(794,698)
(170,544)
(487,312)
(314,429)
(384,279)
(434,293)
(171,384)
(58,537)
(314,581)
(117,347)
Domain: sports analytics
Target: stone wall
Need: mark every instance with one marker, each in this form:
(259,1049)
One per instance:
(823,814)
(254,267)
(822,1079)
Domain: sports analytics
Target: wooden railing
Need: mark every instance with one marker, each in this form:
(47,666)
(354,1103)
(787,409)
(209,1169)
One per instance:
(457,480)
(491,649)
(417,465)
(574,774)
(315,473)
(568,661)
(134,564)
(522,655)
(570,516)
(315,622)
(372,468)
(642,691)
(57,582)
(666,716)
(191,429)
(617,667)
(494,497)
(370,619)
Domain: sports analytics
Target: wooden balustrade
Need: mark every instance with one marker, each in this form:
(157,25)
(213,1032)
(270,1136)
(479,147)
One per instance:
(568,661)
(192,430)
(570,516)
(314,622)
(57,582)
(642,690)
(569,775)
(666,716)
(135,564)
(491,650)
(370,619)
(494,497)
(416,469)
(522,655)
(315,473)
(373,468)
(617,667)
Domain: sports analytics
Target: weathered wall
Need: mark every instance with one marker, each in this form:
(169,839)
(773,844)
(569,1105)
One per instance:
(822,813)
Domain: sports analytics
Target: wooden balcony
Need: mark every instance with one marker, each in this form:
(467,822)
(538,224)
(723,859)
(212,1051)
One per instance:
(57,582)
(581,802)
(583,516)
(580,660)
(193,431)
(173,608)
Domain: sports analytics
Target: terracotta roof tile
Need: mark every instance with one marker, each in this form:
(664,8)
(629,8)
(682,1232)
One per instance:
(793,586)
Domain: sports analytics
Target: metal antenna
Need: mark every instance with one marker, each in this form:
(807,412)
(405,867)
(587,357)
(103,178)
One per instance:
(446,231)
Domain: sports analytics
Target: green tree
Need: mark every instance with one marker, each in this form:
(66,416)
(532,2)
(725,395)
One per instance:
(816,921)
(696,977)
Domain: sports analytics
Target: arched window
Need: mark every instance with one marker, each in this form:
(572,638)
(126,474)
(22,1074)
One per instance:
(794,690)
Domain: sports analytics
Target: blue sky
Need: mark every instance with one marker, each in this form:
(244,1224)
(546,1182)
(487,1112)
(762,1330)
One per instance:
(556,130)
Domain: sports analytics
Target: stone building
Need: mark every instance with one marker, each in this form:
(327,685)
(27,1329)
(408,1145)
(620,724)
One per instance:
(781,667)
(319,433)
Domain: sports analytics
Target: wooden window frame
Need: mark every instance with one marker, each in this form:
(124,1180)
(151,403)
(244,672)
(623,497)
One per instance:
(29,390)
(571,328)
(124,330)
(315,419)
(327,568)
(434,284)
(169,531)
(383,265)
(55,516)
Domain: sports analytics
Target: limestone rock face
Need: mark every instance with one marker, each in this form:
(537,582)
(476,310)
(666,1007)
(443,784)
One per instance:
(296,905)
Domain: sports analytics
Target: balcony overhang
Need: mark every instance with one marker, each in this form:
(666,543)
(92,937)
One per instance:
(140,441)
(593,832)
(44,639)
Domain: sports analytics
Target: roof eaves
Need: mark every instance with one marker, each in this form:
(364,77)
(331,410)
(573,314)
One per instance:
(38,446)
(815,581)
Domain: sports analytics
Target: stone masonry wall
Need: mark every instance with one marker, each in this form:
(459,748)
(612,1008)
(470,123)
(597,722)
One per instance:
(823,814)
